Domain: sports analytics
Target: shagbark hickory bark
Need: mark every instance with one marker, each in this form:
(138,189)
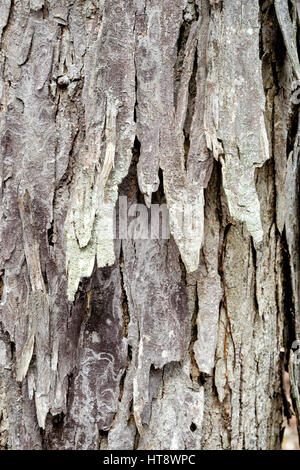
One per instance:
(178,343)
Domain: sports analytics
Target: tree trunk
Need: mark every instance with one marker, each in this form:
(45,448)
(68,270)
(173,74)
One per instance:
(112,335)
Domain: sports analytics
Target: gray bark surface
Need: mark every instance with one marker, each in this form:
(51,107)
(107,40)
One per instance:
(177,343)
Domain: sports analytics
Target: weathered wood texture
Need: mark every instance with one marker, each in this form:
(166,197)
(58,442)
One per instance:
(175,343)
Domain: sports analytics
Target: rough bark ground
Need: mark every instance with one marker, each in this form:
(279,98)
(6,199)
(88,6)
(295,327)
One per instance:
(176,343)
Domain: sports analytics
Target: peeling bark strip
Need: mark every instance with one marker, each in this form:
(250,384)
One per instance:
(155,36)
(134,343)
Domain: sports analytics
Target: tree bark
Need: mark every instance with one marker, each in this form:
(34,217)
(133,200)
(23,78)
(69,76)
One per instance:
(113,341)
